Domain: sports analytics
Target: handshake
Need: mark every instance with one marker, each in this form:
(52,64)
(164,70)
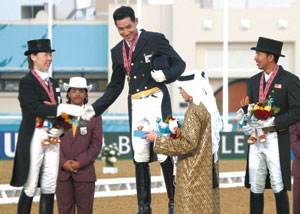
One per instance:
(85,113)
(89,112)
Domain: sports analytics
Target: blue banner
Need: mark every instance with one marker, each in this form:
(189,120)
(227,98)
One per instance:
(233,145)
(8,142)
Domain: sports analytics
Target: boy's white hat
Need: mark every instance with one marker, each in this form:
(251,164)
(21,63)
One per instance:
(77,82)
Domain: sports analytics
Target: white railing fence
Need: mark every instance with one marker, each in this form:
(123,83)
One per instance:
(122,187)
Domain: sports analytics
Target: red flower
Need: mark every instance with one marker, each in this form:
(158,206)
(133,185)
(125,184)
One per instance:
(67,126)
(265,114)
(258,114)
(171,119)
(40,125)
(264,110)
(173,136)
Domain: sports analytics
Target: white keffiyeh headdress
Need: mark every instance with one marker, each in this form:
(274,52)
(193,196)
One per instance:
(196,84)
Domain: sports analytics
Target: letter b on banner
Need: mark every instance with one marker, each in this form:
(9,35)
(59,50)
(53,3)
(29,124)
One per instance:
(124,145)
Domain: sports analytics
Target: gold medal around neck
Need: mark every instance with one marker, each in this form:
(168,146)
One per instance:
(128,78)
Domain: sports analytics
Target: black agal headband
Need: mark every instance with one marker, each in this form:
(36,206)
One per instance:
(186,78)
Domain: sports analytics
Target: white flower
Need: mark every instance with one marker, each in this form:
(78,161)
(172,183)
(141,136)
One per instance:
(112,159)
(110,154)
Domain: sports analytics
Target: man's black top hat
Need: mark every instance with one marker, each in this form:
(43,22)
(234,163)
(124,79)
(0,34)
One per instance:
(269,46)
(159,62)
(38,45)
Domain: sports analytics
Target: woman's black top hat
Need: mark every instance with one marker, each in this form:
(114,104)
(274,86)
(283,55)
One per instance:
(269,46)
(38,45)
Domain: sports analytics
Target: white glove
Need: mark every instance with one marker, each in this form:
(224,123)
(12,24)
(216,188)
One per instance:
(70,109)
(89,112)
(248,130)
(55,133)
(158,75)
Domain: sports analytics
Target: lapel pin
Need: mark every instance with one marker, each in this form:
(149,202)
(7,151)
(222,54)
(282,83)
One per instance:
(277,86)
(83,130)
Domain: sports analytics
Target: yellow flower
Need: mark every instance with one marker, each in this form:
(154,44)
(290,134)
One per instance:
(67,120)
(256,107)
(261,108)
(267,108)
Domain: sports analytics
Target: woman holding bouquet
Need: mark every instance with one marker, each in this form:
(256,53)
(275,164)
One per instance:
(78,152)
(39,97)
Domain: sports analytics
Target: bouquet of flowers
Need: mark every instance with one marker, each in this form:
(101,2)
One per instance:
(264,110)
(63,122)
(110,154)
(170,126)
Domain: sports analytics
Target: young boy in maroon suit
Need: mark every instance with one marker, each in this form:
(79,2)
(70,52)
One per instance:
(78,152)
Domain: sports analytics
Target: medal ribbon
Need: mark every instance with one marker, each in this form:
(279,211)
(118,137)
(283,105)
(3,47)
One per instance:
(263,93)
(125,60)
(49,91)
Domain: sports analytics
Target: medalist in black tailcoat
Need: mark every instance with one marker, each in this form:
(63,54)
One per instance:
(140,75)
(285,89)
(31,97)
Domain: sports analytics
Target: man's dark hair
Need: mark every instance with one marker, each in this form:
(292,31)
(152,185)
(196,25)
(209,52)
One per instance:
(124,12)
(276,57)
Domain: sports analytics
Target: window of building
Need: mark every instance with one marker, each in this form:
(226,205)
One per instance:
(246,3)
(30,11)
(9,85)
(209,56)
(10,82)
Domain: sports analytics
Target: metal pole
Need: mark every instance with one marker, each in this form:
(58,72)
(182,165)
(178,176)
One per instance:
(50,14)
(225,66)
(139,12)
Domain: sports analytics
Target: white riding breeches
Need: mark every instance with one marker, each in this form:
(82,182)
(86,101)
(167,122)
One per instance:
(44,162)
(263,156)
(144,113)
